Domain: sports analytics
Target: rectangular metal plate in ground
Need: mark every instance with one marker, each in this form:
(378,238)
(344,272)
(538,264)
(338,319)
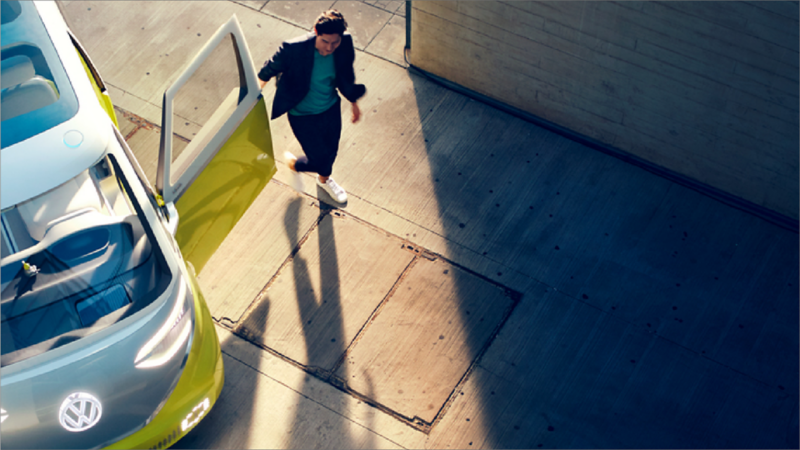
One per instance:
(324,295)
(425,338)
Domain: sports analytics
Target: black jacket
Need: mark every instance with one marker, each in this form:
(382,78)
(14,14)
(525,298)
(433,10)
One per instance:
(292,64)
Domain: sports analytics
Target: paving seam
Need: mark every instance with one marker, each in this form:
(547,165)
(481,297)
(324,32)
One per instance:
(372,317)
(516,298)
(235,325)
(139,121)
(279,19)
(384,59)
(379,31)
(303,29)
(259,371)
(159,107)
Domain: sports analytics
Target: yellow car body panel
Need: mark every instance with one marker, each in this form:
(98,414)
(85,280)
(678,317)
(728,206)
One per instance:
(102,96)
(221,194)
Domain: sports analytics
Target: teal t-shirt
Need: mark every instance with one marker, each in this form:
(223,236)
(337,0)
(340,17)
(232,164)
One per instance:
(322,93)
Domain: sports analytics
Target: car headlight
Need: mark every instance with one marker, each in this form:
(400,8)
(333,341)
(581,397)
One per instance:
(171,336)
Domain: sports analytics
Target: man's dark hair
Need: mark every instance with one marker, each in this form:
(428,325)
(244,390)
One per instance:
(331,22)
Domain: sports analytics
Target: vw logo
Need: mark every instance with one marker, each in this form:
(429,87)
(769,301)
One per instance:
(79,412)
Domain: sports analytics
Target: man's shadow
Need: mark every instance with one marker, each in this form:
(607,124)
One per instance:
(313,424)
(323,326)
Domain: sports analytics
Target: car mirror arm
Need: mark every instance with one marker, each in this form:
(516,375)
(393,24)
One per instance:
(171,216)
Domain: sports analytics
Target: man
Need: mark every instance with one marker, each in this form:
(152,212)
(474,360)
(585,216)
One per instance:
(310,69)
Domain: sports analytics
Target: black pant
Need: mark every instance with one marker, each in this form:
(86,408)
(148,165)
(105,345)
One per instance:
(319,135)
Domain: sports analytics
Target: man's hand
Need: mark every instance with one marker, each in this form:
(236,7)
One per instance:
(356,112)
(261,83)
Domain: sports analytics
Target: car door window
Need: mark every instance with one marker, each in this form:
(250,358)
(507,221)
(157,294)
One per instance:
(203,107)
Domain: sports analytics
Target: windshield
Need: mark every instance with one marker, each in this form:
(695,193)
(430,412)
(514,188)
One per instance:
(74,261)
(36,94)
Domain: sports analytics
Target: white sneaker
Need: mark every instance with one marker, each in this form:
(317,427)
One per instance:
(334,190)
(296,180)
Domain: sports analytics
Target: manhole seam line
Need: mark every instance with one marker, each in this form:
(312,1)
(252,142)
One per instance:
(256,369)
(484,348)
(263,292)
(409,421)
(375,313)
(448,240)
(416,422)
(332,380)
(422,251)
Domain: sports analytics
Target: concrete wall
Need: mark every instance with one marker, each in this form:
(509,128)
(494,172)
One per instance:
(705,89)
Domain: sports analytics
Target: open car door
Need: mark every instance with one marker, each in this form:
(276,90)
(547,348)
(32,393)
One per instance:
(216,148)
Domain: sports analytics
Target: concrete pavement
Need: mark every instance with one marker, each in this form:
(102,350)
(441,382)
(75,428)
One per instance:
(488,284)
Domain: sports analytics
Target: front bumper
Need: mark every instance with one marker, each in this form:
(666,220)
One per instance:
(196,392)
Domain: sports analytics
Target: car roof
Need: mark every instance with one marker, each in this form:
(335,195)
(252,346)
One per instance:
(53,125)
